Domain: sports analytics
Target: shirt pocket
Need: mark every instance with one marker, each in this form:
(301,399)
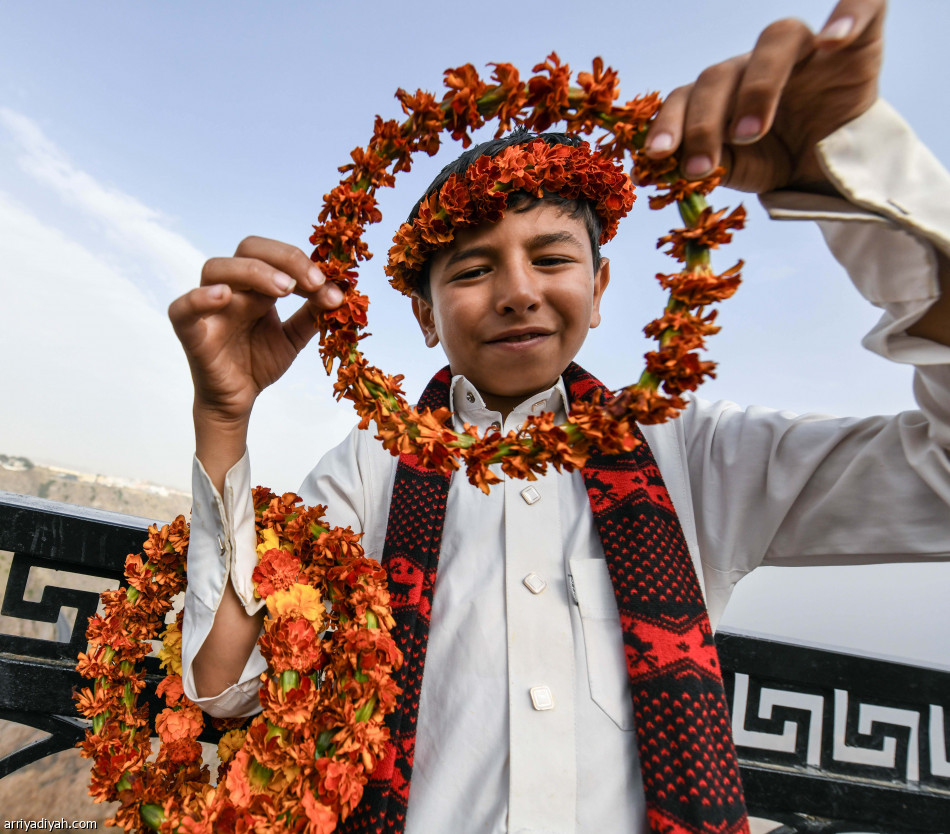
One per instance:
(603,640)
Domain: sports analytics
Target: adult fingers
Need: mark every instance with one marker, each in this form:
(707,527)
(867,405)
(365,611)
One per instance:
(852,21)
(696,116)
(779,48)
(666,130)
(708,111)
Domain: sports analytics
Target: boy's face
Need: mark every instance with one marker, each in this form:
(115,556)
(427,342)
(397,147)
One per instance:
(512,301)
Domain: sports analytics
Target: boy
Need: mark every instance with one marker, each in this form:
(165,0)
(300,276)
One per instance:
(510,303)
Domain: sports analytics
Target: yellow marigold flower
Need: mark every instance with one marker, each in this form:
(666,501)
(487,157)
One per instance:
(269,541)
(298,601)
(170,652)
(230,743)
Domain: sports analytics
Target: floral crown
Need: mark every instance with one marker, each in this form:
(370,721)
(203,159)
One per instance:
(480,194)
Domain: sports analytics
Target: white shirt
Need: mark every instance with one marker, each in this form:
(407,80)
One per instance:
(750,487)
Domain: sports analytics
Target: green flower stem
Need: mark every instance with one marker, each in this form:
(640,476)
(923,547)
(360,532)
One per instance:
(371,621)
(273,731)
(691,207)
(289,680)
(152,815)
(365,711)
(258,775)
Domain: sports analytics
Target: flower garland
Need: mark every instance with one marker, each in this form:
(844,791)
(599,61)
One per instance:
(302,763)
(674,367)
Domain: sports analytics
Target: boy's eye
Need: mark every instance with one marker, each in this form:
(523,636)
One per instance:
(467,274)
(552,260)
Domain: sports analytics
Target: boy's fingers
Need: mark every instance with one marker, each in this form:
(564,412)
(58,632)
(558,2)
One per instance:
(193,305)
(779,48)
(286,258)
(851,21)
(248,275)
(301,326)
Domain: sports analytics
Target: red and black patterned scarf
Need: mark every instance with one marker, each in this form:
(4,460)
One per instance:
(689,765)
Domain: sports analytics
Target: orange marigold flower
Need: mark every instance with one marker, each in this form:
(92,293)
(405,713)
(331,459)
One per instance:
(342,783)
(710,229)
(184,723)
(461,102)
(699,286)
(672,192)
(171,689)
(508,98)
(390,141)
(602,88)
(650,171)
(548,94)
(679,370)
(684,322)
(426,118)
(320,818)
(278,571)
(291,643)
(295,706)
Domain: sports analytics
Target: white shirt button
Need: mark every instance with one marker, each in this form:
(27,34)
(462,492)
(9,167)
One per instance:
(470,397)
(530,495)
(542,698)
(539,405)
(495,426)
(534,583)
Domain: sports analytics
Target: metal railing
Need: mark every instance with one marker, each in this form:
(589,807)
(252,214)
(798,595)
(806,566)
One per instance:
(827,742)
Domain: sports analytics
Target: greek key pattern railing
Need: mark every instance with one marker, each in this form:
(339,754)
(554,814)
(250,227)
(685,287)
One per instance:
(827,742)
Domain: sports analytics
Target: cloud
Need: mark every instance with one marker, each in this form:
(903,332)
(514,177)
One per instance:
(140,232)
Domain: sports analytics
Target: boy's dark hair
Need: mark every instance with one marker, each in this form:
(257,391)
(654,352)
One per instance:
(517,201)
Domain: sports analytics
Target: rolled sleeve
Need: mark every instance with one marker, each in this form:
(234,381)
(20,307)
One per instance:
(222,544)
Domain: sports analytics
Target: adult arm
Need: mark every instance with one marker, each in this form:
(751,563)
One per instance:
(775,488)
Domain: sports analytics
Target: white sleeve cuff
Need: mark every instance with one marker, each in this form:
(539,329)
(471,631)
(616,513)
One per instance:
(222,543)
(883,230)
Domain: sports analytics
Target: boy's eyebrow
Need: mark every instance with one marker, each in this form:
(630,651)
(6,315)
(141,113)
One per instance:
(537,242)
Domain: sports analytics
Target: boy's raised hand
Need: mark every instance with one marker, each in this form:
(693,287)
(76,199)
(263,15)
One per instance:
(762,114)
(236,343)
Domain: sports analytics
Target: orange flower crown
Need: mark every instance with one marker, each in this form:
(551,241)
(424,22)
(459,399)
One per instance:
(480,195)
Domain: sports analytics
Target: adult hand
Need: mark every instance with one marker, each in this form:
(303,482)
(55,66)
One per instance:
(234,339)
(762,114)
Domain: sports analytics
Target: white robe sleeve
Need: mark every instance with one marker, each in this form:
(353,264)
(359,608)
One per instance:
(770,487)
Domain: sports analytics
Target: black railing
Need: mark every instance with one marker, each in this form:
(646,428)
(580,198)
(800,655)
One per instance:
(827,742)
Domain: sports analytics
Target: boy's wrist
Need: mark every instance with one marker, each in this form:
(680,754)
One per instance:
(220,441)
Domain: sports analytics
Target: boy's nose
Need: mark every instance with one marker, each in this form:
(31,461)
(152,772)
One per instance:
(518,291)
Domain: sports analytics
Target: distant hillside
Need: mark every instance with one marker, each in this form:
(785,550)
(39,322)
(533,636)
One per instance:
(19,474)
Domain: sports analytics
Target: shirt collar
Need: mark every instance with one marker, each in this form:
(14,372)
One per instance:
(468,406)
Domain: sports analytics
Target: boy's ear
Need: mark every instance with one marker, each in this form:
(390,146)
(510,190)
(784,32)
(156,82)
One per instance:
(422,310)
(601,280)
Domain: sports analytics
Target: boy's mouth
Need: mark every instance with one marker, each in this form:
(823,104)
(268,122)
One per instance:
(516,338)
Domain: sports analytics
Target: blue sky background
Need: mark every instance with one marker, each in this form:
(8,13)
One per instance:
(139,138)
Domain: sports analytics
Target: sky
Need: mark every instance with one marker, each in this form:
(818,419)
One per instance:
(139,139)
